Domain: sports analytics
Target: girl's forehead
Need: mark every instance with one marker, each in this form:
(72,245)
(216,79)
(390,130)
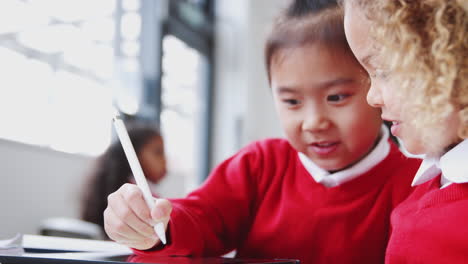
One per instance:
(318,48)
(359,38)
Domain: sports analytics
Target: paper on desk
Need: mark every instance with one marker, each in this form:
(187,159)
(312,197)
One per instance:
(73,244)
(77,255)
(12,246)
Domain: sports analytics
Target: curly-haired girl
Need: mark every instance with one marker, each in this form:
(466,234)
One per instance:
(416,56)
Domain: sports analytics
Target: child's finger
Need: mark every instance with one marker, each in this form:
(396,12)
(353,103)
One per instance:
(123,234)
(162,210)
(117,229)
(122,208)
(135,200)
(142,244)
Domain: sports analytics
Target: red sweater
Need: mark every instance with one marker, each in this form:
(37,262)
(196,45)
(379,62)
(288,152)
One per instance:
(263,203)
(431,226)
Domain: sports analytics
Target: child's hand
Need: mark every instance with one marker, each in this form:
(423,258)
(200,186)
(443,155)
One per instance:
(129,221)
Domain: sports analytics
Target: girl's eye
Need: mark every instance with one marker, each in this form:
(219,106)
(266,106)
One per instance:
(337,97)
(291,102)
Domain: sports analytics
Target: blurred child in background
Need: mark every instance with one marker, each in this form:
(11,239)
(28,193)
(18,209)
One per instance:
(112,170)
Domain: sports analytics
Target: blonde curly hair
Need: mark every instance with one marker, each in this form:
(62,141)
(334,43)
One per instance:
(425,48)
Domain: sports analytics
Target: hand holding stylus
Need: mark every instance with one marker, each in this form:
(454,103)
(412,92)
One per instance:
(126,207)
(129,221)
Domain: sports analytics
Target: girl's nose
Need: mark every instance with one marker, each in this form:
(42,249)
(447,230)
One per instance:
(315,122)
(374,96)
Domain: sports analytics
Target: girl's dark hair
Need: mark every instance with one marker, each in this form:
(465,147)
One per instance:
(111,170)
(298,8)
(306,22)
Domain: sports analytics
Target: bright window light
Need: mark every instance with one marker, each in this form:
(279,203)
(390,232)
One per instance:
(131,5)
(57,64)
(131,26)
(130,48)
(100,30)
(52,39)
(16,16)
(75,11)
(180,125)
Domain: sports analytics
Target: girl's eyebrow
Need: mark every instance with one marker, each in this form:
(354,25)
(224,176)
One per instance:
(285,89)
(335,82)
(321,86)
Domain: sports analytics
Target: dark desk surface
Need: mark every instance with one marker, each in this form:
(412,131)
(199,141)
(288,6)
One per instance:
(56,250)
(137,259)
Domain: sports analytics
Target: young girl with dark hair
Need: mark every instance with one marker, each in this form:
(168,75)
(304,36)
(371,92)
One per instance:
(111,169)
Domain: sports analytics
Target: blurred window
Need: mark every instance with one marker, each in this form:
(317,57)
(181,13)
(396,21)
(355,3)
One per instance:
(57,61)
(182,99)
(186,87)
(65,64)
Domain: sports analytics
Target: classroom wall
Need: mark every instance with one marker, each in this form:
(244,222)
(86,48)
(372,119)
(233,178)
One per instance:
(38,183)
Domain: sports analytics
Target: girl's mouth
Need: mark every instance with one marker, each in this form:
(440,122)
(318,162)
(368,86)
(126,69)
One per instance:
(325,147)
(395,128)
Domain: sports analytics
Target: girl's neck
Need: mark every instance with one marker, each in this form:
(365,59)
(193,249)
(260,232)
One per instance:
(446,149)
(379,136)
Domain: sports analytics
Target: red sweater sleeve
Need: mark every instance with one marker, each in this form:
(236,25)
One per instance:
(208,222)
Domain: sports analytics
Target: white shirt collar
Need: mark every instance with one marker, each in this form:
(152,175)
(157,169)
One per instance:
(328,179)
(453,165)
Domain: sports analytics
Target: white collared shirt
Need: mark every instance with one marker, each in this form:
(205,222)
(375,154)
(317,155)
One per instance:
(453,165)
(328,179)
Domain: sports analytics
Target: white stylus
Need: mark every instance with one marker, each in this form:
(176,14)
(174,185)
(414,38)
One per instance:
(137,171)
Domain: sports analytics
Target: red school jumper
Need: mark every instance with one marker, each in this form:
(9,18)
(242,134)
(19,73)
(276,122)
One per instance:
(431,226)
(263,203)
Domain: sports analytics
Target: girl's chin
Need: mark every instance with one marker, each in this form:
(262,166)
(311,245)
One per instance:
(414,148)
(331,167)
(433,148)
